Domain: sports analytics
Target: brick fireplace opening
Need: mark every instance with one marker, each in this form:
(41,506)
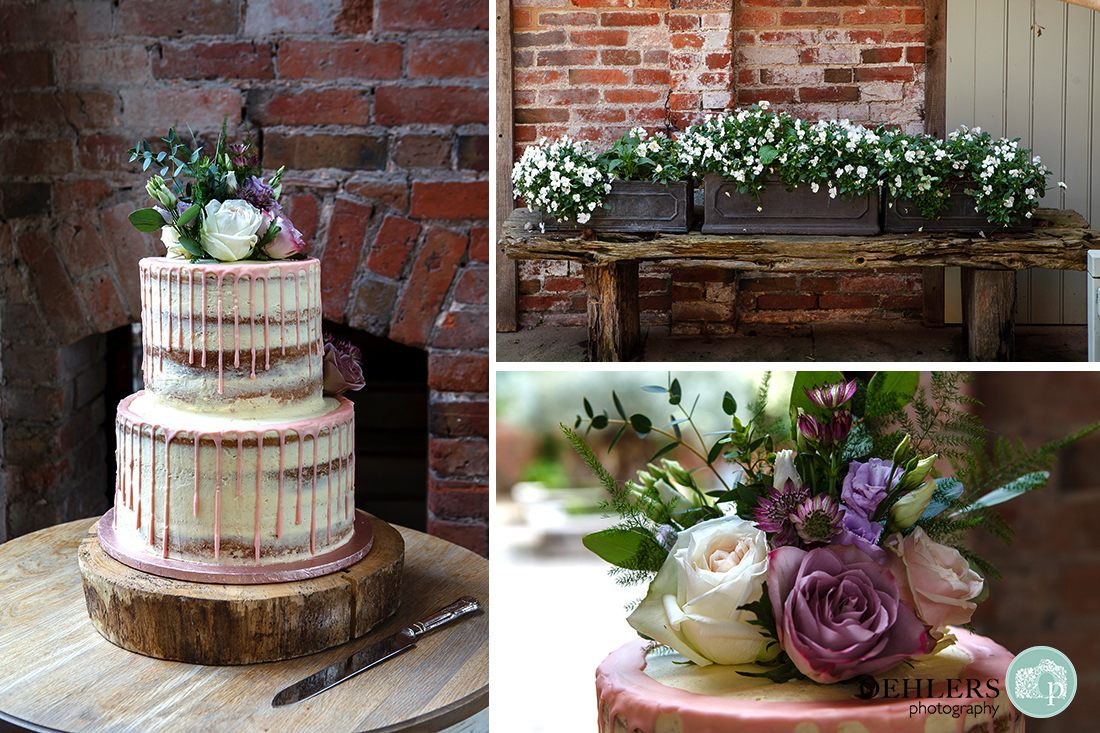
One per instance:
(378,111)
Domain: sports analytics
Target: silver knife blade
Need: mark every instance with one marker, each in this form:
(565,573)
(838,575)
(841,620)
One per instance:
(374,654)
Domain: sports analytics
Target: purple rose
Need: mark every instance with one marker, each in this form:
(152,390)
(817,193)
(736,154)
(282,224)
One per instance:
(839,615)
(343,368)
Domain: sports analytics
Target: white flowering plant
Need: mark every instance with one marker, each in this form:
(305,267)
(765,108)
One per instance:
(639,156)
(561,179)
(742,147)
(1008,180)
(226,212)
(833,155)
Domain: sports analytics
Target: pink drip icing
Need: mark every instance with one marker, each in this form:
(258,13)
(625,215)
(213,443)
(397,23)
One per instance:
(313,500)
(252,321)
(217,494)
(152,481)
(328,491)
(221,345)
(179,305)
(279,504)
(135,435)
(168,438)
(297,308)
(282,310)
(236,320)
(259,476)
(203,289)
(298,505)
(240,450)
(197,438)
(191,319)
(267,327)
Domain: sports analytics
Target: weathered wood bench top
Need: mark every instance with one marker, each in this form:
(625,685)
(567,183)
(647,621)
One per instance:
(1061,240)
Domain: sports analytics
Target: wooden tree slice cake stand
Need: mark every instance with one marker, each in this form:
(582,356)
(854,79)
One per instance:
(218,624)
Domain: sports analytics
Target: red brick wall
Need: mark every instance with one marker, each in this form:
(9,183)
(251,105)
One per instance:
(592,69)
(379,111)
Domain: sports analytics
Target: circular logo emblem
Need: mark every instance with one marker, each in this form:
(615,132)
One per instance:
(1041,682)
(868,688)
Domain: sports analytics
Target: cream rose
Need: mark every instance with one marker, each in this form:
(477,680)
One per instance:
(228,231)
(692,605)
(171,240)
(933,579)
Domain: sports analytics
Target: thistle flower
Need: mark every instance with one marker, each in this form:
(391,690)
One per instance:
(817,520)
(243,155)
(773,514)
(825,432)
(832,396)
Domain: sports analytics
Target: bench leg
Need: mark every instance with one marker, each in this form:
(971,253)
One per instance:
(989,313)
(614,329)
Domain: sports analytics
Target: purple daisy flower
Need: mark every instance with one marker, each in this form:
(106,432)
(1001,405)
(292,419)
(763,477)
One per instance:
(817,520)
(773,514)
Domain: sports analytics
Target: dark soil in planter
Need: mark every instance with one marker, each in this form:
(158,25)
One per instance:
(902,215)
(779,211)
(639,206)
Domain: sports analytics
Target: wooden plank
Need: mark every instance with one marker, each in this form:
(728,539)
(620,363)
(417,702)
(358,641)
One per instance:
(61,674)
(935,69)
(961,62)
(507,276)
(932,292)
(1063,245)
(989,298)
(989,72)
(614,316)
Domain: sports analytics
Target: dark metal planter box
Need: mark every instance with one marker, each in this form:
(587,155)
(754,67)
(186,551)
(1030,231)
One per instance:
(638,206)
(779,211)
(902,215)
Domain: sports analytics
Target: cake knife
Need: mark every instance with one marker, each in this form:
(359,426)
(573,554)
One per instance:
(376,653)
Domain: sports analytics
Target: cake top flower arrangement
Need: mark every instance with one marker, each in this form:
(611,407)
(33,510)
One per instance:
(216,208)
(838,549)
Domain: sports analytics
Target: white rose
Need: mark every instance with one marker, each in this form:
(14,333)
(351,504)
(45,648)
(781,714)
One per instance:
(692,605)
(228,230)
(171,240)
(933,579)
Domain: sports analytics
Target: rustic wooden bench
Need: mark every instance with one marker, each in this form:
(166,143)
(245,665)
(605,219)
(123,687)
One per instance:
(1061,241)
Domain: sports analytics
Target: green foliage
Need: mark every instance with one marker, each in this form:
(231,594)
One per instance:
(636,156)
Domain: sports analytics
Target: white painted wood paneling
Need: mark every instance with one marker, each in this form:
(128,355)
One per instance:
(1029,69)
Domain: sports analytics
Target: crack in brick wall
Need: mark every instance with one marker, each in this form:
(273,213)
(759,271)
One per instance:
(379,111)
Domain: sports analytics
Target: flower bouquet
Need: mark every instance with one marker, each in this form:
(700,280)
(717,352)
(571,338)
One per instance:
(838,549)
(226,212)
(637,184)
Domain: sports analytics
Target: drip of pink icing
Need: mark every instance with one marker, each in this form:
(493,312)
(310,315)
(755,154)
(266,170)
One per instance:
(191,321)
(168,438)
(252,322)
(279,505)
(221,345)
(217,495)
(198,439)
(625,691)
(259,476)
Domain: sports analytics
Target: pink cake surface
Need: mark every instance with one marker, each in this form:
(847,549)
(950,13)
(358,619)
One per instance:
(636,698)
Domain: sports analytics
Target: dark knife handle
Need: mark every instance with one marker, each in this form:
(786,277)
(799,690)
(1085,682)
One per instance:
(461,607)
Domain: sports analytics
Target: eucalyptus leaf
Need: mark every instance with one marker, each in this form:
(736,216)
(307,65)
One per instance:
(1011,490)
(618,405)
(641,424)
(674,392)
(668,448)
(654,388)
(622,429)
(947,490)
(147,220)
(715,451)
(626,548)
(729,405)
(599,422)
(192,211)
(193,248)
(587,407)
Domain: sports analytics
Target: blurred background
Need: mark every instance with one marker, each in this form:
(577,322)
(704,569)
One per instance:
(559,613)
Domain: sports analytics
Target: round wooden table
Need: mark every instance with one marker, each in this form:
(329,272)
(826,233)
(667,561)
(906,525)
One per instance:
(59,674)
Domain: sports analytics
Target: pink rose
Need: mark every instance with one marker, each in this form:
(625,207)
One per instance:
(287,242)
(933,579)
(839,615)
